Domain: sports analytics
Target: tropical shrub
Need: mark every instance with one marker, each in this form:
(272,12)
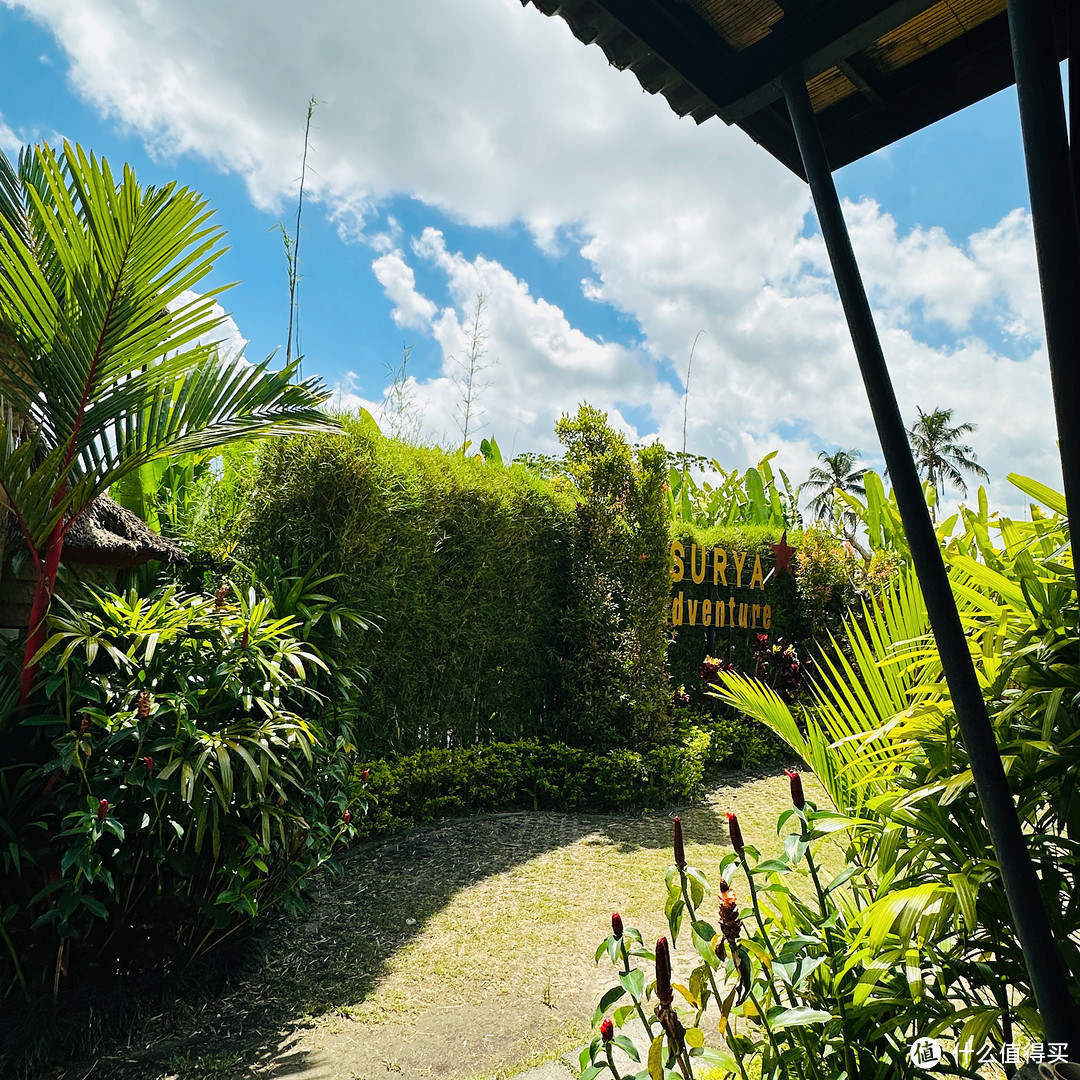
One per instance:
(510,607)
(755,497)
(190,764)
(785,974)
(882,738)
(103,372)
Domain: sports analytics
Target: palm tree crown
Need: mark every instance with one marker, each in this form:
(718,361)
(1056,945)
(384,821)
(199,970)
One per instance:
(940,457)
(103,368)
(839,474)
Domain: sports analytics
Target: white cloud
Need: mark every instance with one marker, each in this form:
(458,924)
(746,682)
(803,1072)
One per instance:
(226,334)
(534,364)
(495,114)
(399,283)
(10,143)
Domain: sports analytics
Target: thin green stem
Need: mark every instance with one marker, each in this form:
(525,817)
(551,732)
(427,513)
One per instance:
(755,905)
(610,1062)
(791,1036)
(637,1004)
(15,960)
(830,945)
(768,1031)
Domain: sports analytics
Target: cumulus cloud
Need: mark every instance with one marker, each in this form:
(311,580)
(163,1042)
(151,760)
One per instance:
(225,334)
(10,143)
(493,115)
(533,364)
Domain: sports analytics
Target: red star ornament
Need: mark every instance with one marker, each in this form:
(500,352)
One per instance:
(782,552)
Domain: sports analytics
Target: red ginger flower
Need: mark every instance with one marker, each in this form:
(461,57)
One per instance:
(735,832)
(663,972)
(102,809)
(797,796)
(347,816)
(148,764)
(730,923)
(616,925)
(142,707)
(607,1029)
(364,776)
(680,853)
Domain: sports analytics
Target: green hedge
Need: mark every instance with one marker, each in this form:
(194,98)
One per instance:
(510,607)
(432,784)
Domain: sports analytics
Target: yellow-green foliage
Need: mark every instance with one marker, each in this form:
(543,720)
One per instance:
(483,580)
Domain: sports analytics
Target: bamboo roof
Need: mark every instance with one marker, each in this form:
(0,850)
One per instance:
(876,70)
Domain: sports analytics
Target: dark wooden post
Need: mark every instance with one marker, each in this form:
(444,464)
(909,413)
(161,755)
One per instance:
(1054,216)
(1018,874)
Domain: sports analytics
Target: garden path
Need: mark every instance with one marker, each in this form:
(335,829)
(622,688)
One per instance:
(462,950)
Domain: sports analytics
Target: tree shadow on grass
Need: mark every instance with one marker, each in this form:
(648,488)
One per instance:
(243,1012)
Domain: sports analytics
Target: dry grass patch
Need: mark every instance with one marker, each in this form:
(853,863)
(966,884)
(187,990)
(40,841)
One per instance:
(460,950)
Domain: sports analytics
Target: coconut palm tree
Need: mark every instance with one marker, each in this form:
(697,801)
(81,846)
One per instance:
(104,364)
(939,456)
(839,473)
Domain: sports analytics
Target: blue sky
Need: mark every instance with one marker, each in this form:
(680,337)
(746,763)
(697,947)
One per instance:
(478,148)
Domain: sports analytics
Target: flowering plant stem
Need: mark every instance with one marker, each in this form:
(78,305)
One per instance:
(637,1003)
(830,942)
(611,1062)
(772,952)
(691,911)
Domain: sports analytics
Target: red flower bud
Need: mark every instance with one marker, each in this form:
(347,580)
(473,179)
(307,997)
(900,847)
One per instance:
(142,707)
(663,972)
(607,1029)
(244,639)
(680,854)
(364,776)
(730,923)
(148,764)
(347,816)
(616,925)
(797,796)
(102,809)
(735,832)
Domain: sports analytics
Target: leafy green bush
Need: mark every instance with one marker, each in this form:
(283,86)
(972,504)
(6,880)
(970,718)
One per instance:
(185,771)
(431,784)
(883,740)
(510,607)
(785,976)
(619,583)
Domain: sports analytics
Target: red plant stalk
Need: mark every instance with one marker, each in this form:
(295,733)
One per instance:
(47,568)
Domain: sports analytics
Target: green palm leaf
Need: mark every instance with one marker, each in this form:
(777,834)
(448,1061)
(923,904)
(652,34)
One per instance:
(105,361)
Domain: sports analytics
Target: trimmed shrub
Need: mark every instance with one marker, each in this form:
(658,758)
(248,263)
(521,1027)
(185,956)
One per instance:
(431,784)
(510,607)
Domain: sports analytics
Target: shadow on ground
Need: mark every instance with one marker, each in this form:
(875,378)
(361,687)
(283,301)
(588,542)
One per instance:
(329,962)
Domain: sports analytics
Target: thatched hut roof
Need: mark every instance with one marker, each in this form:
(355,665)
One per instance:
(107,534)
